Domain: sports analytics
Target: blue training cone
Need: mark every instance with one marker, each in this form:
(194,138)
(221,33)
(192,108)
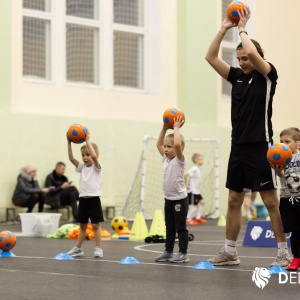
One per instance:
(204,265)
(63,256)
(129,260)
(277,270)
(6,253)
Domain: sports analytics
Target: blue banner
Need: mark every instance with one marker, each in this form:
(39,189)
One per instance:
(260,234)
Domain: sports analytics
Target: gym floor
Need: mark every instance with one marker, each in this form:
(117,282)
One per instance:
(34,274)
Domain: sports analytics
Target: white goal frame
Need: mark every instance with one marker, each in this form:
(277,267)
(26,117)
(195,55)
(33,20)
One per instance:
(141,172)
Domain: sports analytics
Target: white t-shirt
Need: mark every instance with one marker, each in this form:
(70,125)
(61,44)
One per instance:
(173,178)
(89,181)
(195,179)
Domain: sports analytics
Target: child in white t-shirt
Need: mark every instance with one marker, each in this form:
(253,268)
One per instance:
(89,196)
(192,182)
(176,201)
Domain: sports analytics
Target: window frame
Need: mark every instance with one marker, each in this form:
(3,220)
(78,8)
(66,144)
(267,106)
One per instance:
(46,16)
(106,27)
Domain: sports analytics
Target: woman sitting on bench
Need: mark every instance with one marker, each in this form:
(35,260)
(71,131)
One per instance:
(28,192)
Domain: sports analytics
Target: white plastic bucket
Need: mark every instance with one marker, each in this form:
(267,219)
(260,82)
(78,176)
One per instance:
(39,224)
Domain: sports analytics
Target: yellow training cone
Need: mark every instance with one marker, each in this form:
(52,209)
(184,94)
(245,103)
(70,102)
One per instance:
(115,236)
(139,230)
(222,221)
(158,226)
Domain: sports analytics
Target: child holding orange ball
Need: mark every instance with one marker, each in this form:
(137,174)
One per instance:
(290,193)
(176,201)
(89,196)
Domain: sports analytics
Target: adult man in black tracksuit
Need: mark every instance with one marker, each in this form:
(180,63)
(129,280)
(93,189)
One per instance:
(61,191)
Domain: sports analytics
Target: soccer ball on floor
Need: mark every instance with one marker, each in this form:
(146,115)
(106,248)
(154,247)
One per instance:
(232,11)
(77,133)
(170,114)
(7,240)
(119,223)
(279,155)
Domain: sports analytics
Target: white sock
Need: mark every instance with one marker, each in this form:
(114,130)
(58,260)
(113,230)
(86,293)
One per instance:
(282,247)
(199,212)
(192,210)
(230,246)
(249,214)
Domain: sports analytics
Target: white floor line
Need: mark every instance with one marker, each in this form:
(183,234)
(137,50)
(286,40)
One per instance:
(52,273)
(140,248)
(172,265)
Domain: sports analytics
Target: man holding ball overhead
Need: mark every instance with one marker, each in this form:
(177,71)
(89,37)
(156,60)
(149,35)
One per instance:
(253,87)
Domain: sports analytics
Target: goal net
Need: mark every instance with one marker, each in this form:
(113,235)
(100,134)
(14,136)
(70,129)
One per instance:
(146,193)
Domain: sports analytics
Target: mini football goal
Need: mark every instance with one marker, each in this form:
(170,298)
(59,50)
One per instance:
(146,193)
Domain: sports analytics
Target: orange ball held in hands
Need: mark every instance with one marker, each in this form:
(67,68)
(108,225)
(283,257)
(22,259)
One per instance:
(279,155)
(170,114)
(77,133)
(232,11)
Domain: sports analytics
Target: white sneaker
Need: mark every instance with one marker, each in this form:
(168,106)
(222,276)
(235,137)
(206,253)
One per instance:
(180,258)
(98,252)
(225,259)
(76,251)
(283,259)
(165,256)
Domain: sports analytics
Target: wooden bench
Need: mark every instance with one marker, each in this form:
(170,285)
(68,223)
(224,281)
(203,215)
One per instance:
(9,209)
(109,211)
(13,209)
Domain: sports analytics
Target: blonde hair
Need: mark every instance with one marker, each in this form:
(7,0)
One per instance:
(93,145)
(195,155)
(294,132)
(171,136)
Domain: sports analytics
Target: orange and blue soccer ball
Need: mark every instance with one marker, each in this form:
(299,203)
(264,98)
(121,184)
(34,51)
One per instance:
(170,114)
(7,240)
(232,11)
(77,133)
(279,155)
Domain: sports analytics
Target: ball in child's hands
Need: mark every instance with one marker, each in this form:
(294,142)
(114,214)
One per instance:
(77,133)
(170,114)
(279,155)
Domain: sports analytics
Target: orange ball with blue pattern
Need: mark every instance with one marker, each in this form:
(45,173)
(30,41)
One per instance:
(7,240)
(279,155)
(232,11)
(77,133)
(170,114)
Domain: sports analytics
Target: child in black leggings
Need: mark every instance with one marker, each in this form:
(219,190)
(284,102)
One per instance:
(290,193)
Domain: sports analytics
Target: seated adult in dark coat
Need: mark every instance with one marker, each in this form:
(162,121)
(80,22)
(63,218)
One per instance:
(28,192)
(61,191)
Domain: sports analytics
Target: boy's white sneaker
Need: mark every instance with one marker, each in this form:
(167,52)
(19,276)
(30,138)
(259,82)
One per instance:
(76,251)
(98,252)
